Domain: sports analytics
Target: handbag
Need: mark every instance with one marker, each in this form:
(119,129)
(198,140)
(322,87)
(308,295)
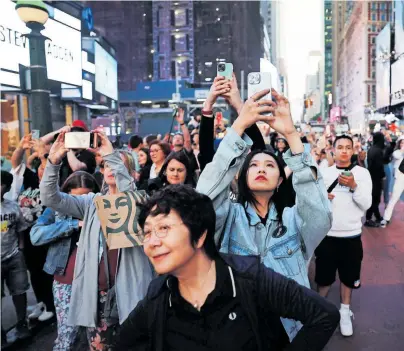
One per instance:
(401,166)
(111,314)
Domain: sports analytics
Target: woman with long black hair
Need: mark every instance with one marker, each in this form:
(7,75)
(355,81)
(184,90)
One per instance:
(260,222)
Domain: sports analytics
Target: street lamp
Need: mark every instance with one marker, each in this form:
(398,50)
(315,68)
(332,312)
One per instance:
(35,14)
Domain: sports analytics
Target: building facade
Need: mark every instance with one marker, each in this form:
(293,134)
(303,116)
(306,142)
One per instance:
(128,27)
(328,23)
(356,27)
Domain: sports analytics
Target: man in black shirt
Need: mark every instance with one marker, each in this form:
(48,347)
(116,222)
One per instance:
(206,301)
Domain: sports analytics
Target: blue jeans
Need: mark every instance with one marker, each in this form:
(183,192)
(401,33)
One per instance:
(388,183)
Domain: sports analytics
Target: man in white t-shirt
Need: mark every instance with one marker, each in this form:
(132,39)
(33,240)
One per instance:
(341,250)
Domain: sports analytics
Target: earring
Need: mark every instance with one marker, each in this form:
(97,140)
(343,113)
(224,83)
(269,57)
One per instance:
(277,188)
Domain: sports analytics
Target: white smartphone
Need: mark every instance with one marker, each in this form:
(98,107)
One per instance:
(225,69)
(77,140)
(258,81)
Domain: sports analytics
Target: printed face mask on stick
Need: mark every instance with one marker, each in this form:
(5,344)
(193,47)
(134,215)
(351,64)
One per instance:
(118,215)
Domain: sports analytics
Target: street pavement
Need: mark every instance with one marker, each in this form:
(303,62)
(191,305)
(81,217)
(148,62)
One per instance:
(377,305)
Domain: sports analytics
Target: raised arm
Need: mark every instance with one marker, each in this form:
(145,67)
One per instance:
(288,299)
(184,130)
(216,178)
(47,230)
(26,143)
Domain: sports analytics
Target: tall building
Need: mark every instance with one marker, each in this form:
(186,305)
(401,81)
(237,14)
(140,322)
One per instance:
(328,32)
(128,27)
(356,25)
(192,36)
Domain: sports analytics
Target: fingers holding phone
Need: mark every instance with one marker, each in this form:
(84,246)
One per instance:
(347,179)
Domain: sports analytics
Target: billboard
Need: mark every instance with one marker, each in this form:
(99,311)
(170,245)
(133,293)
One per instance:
(399,27)
(397,82)
(63,50)
(106,73)
(383,49)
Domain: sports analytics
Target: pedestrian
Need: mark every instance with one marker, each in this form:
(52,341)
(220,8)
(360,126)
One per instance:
(13,269)
(206,301)
(376,169)
(341,250)
(99,302)
(135,145)
(25,190)
(145,164)
(159,150)
(261,222)
(398,187)
(62,233)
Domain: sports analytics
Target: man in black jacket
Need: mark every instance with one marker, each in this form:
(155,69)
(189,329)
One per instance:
(206,301)
(376,170)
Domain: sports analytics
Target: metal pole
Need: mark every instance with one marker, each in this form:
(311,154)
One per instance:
(242,86)
(39,94)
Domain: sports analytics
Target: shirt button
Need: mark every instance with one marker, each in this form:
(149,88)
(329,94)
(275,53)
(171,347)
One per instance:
(239,145)
(290,252)
(260,226)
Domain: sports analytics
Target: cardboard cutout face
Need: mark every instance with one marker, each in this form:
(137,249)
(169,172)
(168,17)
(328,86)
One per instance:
(118,216)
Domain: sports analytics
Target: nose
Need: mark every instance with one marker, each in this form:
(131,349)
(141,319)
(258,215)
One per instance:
(154,240)
(262,170)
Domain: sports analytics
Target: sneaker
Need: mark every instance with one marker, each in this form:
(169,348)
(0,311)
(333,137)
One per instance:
(384,223)
(371,224)
(23,332)
(38,310)
(45,316)
(345,323)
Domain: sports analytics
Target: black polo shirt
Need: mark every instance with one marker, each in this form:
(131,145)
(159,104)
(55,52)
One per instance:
(221,324)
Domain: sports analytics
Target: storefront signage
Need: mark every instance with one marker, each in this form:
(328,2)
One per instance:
(106,73)
(63,51)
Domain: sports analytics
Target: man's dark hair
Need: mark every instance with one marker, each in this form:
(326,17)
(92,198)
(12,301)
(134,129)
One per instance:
(195,209)
(343,137)
(6,178)
(135,141)
(150,138)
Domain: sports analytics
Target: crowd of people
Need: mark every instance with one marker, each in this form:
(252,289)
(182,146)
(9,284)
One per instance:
(229,219)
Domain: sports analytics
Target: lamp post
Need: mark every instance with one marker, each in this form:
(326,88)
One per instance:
(35,14)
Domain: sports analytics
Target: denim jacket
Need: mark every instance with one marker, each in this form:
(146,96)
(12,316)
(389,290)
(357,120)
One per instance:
(54,229)
(288,249)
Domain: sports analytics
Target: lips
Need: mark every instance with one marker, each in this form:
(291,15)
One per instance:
(261,178)
(160,256)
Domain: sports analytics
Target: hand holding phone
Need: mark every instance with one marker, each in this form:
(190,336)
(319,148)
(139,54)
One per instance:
(259,81)
(225,70)
(35,134)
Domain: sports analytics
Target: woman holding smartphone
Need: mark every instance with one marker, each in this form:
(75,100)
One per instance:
(260,223)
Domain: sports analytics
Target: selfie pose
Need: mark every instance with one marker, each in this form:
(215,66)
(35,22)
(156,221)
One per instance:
(99,301)
(260,223)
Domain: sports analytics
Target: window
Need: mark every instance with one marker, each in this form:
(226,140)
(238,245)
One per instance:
(373,75)
(383,6)
(173,69)
(383,17)
(374,6)
(158,18)
(373,17)
(373,40)
(158,44)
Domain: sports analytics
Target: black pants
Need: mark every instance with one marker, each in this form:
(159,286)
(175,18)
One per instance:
(41,282)
(376,196)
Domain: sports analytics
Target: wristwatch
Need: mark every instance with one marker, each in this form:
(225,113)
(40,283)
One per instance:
(352,190)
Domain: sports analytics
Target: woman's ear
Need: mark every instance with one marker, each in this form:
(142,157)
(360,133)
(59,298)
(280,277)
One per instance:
(201,240)
(279,182)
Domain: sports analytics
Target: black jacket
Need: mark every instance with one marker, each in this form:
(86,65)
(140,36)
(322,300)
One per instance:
(265,295)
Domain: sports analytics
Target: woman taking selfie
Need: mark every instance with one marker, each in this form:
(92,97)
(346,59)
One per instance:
(62,234)
(92,302)
(260,223)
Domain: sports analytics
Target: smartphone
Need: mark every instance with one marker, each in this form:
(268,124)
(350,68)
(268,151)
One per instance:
(347,173)
(35,134)
(219,117)
(175,111)
(258,81)
(81,140)
(225,69)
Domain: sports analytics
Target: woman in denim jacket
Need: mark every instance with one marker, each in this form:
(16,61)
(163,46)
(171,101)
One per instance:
(62,234)
(260,223)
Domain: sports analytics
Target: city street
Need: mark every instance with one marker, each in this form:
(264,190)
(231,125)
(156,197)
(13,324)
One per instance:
(379,314)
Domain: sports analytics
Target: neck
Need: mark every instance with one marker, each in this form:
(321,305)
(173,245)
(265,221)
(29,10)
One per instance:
(343,164)
(159,164)
(194,274)
(177,148)
(262,202)
(113,190)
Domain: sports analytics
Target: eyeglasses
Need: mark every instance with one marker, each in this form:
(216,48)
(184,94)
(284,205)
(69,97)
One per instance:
(153,151)
(161,231)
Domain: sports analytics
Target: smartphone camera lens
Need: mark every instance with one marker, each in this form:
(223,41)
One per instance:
(221,67)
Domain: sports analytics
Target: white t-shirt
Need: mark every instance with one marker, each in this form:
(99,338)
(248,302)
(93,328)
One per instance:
(348,208)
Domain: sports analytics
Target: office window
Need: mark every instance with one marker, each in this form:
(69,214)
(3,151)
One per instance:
(383,17)
(383,6)
(373,17)
(158,44)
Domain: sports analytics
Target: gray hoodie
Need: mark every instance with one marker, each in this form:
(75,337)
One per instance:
(134,272)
